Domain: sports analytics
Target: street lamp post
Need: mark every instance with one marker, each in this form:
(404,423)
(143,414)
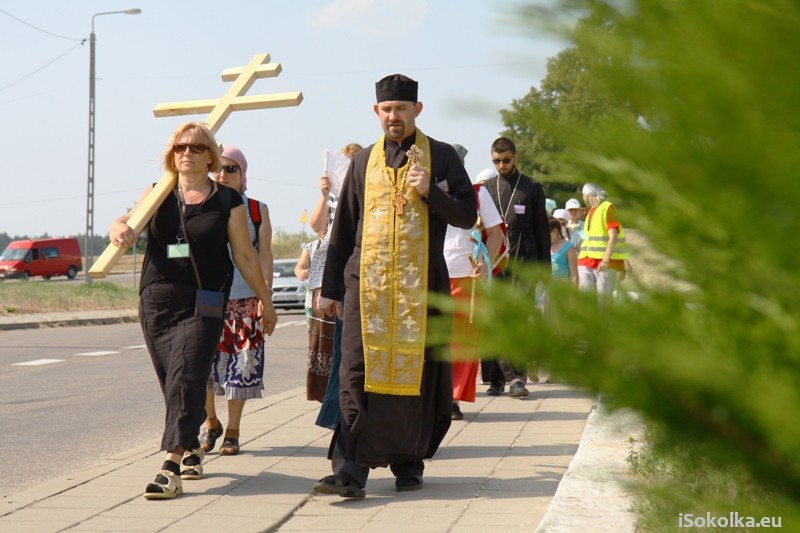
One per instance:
(89,237)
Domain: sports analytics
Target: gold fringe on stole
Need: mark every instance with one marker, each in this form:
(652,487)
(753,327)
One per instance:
(394,277)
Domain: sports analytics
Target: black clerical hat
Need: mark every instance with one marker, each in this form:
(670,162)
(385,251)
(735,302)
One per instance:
(396,87)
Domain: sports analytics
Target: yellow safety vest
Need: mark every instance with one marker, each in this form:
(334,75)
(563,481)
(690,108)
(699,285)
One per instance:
(595,233)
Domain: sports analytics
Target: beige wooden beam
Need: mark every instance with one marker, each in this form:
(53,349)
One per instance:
(240,103)
(218,109)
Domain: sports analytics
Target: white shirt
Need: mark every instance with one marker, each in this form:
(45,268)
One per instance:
(457,244)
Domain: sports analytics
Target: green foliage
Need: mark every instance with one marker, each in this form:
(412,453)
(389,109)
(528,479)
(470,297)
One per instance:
(692,118)
(287,245)
(540,123)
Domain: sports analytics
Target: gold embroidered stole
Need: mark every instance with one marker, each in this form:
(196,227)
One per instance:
(394,276)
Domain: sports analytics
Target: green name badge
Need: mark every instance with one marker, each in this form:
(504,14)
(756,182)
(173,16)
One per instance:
(177,251)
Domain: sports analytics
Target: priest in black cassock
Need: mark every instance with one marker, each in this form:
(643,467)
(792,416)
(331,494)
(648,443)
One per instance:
(385,255)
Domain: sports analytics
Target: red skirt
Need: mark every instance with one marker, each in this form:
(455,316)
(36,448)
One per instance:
(464,343)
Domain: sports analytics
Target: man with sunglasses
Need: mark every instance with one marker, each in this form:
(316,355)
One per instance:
(521,202)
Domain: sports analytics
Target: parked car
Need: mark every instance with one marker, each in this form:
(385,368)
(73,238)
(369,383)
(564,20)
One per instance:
(288,292)
(41,257)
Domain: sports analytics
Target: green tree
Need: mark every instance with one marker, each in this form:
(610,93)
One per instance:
(572,93)
(691,115)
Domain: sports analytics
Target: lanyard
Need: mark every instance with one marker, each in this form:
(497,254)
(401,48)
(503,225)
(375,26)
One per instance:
(510,198)
(182,205)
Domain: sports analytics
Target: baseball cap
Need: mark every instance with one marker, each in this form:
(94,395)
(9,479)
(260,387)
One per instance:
(562,214)
(572,203)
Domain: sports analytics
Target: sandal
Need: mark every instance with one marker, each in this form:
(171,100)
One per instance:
(192,464)
(165,486)
(208,436)
(230,446)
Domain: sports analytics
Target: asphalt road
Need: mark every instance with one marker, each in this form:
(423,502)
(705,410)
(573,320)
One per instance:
(98,395)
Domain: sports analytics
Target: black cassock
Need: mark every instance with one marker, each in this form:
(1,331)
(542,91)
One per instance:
(383,429)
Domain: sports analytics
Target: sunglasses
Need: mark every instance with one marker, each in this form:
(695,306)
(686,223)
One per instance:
(180,148)
(230,169)
(505,160)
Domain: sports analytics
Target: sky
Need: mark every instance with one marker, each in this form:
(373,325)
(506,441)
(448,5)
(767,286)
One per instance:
(471,58)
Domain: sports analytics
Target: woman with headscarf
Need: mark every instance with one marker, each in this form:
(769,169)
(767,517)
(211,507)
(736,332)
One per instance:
(604,250)
(238,368)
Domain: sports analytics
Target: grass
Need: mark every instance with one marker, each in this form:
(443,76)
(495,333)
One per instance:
(39,296)
(679,479)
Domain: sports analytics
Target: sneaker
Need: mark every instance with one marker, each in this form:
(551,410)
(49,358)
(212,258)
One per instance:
(457,414)
(496,389)
(518,390)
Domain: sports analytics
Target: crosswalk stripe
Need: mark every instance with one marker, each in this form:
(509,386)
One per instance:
(98,353)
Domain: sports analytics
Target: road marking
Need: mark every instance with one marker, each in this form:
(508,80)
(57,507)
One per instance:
(37,362)
(137,347)
(97,354)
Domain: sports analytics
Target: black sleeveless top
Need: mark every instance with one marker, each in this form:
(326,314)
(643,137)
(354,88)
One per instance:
(207,228)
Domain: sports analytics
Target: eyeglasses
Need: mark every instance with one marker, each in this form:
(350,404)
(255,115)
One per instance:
(505,160)
(180,148)
(230,169)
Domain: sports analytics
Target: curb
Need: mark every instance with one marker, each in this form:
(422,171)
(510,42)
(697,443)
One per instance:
(595,494)
(64,319)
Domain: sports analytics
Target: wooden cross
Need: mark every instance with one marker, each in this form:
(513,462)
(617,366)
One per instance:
(399,202)
(218,109)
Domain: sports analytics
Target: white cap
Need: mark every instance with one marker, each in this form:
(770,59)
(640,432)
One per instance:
(572,203)
(562,214)
(549,205)
(485,174)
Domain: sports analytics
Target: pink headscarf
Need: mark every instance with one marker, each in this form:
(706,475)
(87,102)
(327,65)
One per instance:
(232,152)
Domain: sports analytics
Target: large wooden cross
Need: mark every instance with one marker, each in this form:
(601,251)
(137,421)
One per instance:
(218,109)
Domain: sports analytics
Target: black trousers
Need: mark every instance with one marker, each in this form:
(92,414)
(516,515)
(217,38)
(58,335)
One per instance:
(182,349)
(360,473)
(500,371)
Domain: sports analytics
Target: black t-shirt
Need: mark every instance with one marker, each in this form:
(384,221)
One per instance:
(207,228)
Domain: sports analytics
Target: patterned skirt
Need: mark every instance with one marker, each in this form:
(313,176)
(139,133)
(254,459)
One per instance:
(320,354)
(238,369)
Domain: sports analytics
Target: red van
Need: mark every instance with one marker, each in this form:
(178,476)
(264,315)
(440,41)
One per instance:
(42,257)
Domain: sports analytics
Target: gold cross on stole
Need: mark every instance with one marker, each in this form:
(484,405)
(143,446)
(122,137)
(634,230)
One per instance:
(414,154)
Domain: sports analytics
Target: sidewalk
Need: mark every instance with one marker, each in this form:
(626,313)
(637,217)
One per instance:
(510,464)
